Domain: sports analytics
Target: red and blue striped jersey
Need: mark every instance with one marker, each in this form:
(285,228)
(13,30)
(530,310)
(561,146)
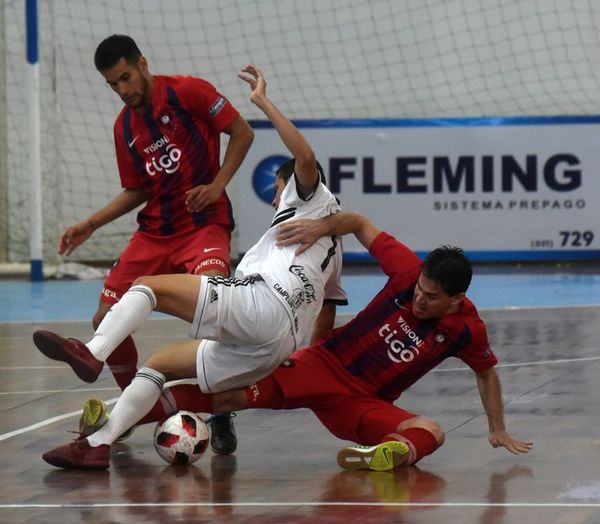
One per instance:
(171,148)
(387,348)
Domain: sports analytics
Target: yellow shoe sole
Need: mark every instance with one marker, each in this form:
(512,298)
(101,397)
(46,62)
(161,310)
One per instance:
(93,417)
(383,457)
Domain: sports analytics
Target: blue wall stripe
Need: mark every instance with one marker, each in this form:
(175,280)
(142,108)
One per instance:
(437,122)
(500,256)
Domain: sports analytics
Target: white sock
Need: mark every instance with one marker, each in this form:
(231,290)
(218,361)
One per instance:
(122,319)
(136,400)
(168,402)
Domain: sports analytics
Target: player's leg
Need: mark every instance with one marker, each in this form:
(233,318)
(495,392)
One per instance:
(206,251)
(391,437)
(136,400)
(178,296)
(422,435)
(175,295)
(124,359)
(93,452)
(265,393)
(222,365)
(209,255)
(142,255)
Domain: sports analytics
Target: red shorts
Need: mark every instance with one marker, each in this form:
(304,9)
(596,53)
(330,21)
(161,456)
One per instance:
(312,379)
(195,252)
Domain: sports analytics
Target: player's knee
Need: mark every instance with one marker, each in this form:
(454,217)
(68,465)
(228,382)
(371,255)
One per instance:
(143,281)
(427,424)
(165,364)
(156,362)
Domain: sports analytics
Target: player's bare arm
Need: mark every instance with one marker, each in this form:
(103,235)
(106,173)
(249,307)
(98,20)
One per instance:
(77,234)
(240,139)
(306,163)
(490,392)
(324,322)
(306,231)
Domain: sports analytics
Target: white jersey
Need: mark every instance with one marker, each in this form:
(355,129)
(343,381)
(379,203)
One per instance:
(300,282)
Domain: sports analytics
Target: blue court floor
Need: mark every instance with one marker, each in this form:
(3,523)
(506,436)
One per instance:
(493,287)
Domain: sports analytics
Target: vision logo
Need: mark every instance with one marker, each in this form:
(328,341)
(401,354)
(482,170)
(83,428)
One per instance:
(169,162)
(263,178)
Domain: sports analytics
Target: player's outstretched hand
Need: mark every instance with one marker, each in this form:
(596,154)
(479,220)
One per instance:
(303,231)
(503,439)
(74,236)
(255,79)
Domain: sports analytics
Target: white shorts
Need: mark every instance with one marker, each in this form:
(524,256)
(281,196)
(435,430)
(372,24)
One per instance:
(246,329)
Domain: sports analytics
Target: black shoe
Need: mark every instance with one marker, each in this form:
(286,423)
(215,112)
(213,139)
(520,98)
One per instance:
(222,439)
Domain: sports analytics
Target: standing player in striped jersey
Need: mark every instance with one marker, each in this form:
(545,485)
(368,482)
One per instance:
(167,141)
(250,324)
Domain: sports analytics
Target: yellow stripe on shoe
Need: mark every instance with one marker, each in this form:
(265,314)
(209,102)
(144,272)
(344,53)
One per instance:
(93,417)
(383,457)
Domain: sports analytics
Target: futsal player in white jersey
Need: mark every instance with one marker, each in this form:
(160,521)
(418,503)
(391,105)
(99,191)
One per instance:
(249,324)
(274,293)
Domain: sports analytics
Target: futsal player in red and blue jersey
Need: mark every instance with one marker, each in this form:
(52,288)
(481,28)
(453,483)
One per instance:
(167,141)
(420,318)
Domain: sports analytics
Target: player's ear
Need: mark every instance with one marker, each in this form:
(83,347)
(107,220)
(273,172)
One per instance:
(143,64)
(457,299)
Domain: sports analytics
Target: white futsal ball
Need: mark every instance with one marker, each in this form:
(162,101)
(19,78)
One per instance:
(182,438)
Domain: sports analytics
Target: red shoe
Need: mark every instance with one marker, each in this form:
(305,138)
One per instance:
(69,350)
(78,455)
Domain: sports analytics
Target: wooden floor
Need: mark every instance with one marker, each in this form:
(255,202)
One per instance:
(285,468)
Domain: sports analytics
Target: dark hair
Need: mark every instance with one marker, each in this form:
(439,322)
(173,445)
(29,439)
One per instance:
(449,267)
(287,168)
(113,48)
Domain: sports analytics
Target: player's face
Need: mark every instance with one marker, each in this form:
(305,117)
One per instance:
(278,187)
(431,301)
(130,82)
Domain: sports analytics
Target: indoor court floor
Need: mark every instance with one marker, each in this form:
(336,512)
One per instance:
(544,325)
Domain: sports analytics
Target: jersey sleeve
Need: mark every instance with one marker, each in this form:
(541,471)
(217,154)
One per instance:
(394,257)
(334,291)
(203,99)
(130,176)
(478,355)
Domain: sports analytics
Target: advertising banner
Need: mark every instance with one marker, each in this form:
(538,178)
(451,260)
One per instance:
(502,189)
